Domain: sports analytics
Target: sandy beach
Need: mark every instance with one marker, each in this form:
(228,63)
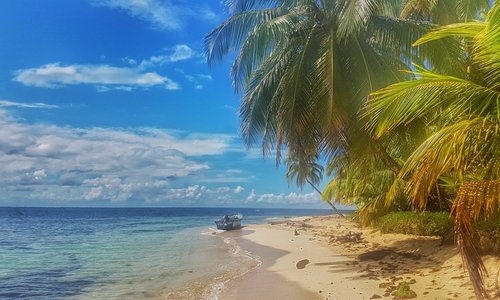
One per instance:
(330,257)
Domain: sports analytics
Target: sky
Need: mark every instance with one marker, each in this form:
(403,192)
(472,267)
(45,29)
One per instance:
(111,103)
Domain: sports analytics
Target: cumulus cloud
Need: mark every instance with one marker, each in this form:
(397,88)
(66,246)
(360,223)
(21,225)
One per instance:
(201,194)
(252,196)
(39,174)
(98,163)
(55,75)
(282,199)
(7,103)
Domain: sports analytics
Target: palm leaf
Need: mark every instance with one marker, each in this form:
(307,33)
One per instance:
(461,147)
(474,200)
(401,103)
(468,30)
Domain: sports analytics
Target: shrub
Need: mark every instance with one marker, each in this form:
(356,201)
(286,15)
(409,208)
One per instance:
(440,224)
(426,223)
(489,234)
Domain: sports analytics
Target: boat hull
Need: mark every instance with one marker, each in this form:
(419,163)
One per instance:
(231,222)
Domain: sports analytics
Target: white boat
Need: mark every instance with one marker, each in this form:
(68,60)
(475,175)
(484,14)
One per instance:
(229,222)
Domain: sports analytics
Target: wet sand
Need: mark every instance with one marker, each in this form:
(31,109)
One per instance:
(332,258)
(269,284)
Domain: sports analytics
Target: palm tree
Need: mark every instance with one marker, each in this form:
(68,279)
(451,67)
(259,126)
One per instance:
(304,68)
(465,112)
(364,182)
(307,171)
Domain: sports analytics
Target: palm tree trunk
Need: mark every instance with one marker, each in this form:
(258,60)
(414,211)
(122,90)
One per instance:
(387,159)
(329,202)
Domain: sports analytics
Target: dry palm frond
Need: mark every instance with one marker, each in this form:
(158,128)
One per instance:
(474,199)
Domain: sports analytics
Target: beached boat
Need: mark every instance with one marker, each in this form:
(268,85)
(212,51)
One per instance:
(229,222)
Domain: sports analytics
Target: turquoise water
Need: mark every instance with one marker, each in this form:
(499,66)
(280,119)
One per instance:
(71,253)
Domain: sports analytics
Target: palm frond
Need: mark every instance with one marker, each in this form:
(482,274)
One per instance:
(401,103)
(474,200)
(232,33)
(462,147)
(467,30)
(354,15)
(260,43)
(487,53)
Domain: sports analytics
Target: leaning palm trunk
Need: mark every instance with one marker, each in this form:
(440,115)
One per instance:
(327,201)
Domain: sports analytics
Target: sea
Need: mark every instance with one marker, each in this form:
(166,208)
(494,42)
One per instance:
(122,253)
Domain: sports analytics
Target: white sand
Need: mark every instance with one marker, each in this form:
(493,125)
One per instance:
(335,271)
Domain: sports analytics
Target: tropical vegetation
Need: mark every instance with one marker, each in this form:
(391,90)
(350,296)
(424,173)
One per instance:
(400,99)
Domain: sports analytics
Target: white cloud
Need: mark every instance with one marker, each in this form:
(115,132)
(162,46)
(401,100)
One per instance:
(281,199)
(7,103)
(129,60)
(94,193)
(163,15)
(172,85)
(252,196)
(209,15)
(65,163)
(201,194)
(204,76)
(193,192)
(195,79)
(102,76)
(177,53)
(39,174)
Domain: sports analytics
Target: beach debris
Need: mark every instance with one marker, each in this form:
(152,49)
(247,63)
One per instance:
(302,264)
(375,296)
(296,232)
(349,237)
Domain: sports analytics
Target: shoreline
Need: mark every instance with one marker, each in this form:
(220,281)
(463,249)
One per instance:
(209,285)
(322,258)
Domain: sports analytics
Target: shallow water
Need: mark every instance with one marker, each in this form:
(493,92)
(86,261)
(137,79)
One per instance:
(133,253)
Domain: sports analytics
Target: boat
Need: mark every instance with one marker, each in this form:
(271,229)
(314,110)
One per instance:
(229,222)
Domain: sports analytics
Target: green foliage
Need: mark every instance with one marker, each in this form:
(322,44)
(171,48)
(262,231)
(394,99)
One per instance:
(426,223)
(464,110)
(322,80)
(404,291)
(488,231)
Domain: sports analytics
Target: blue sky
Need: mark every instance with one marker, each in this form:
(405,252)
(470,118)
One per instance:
(110,103)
